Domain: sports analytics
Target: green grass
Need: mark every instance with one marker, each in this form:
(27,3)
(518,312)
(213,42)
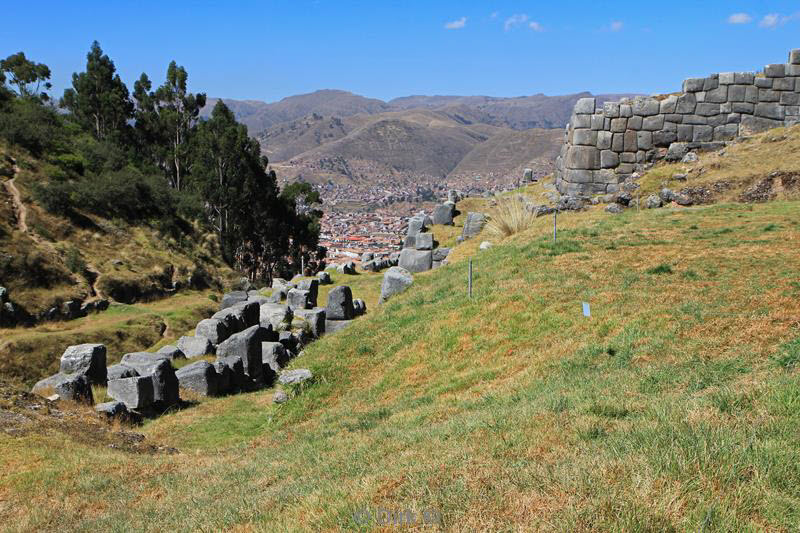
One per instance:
(674,407)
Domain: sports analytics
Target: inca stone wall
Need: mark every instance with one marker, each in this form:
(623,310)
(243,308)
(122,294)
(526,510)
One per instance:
(604,147)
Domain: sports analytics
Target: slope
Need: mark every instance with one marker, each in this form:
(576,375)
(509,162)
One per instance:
(673,407)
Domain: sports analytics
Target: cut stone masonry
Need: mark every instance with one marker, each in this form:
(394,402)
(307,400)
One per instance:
(603,147)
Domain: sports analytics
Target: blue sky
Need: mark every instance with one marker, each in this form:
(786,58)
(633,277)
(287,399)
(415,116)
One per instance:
(271,49)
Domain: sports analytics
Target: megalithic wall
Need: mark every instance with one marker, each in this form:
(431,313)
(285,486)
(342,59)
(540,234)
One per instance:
(604,147)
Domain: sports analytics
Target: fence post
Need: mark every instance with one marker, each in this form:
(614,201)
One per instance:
(469,280)
(555,224)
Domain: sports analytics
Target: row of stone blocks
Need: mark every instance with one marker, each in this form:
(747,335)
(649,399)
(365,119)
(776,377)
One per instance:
(252,339)
(420,251)
(604,146)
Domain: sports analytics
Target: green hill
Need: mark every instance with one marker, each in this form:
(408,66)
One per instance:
(674,406)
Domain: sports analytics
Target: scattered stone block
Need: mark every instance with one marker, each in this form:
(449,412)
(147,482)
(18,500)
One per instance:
(275,355)
(135,393)
(279,397)
(195,346)
(121,372)
(232,298)
(112,410)
(86,359)
(276,316)
(315,318)
(312,286)
(340,302)
(424,241)
(70,387)
(359,307)
(213,329)
(291,377)
(473,225)
(324,278)
(172,352)
(299,299)
(199,377)
(159,369)
(247,346)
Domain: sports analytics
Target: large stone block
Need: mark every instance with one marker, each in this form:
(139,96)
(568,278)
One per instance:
(631,141)
(695,119)
(770,111)
(86,359)
(159,368)
(585,106)
(668,105)
(276,316)
(416,225)
(581,121)
(718,95)
(443,214)
(625,110)
(744,78)
(121,371)
(604,139)
(235,370)
(248,312)
(644,140)
(664,138)
(693,85)
(726,78)
(653,123)
(413,261)
(619,125)
(473,225)
(584,137)
(172,352)
(315,318)
(705,109)
(783,84)
(609,159)
(274,355)
(763,83)
(736,93)
(597,122)
(794,57)
(618,142)
(790,99)
(635,122)
(755,124)
(775,71)
(711,83)
(768,95)
(247,346)
(686,104)
(726,132)
(611,109)
(135,393)
(583,158)
(424,241)
(71,387)
(340,299)
(213,329)
(577,176)
(195,346)
(232,298)
(312,286)
(199,377)
(299,299)
(703,133)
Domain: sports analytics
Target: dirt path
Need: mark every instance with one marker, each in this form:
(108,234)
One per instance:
(19,207)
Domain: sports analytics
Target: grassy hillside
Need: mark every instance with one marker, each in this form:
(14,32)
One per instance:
(673,407)
(47,259)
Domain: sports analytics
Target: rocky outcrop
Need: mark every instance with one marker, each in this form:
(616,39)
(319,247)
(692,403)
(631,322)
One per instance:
(603,147)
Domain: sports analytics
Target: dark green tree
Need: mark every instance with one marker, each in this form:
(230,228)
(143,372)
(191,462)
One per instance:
(302,203)
(224,158)
(28,76)
(178,110)
(98,99)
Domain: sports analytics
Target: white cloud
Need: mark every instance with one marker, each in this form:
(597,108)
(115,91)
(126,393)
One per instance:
(770,21)
(515,20)
(617,25)
(739,18)
(535,26)
(456,24)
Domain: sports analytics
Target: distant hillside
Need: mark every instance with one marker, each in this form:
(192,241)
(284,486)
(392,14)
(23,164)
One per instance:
(337,135)
(258,116)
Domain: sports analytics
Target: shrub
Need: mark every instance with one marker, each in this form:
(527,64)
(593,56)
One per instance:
(509,217)
(663,268)
(74,260)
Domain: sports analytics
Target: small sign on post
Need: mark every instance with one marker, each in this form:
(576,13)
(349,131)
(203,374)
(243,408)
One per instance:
(586,311)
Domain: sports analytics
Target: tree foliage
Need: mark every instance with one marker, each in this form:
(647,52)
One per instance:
(98,99)
(28,76)
(148,158)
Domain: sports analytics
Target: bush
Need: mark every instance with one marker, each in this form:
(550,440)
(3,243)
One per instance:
(74,261)
(33,126)
(509,217)
(663,268)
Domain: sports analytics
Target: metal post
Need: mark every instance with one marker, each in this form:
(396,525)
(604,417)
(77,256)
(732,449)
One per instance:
(302,265)
(555,224)
(469,280)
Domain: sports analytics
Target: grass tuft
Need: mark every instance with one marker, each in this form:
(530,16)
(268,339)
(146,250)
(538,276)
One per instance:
(509,217)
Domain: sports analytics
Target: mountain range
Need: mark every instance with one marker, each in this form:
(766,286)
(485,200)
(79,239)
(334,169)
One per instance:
(341,137)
